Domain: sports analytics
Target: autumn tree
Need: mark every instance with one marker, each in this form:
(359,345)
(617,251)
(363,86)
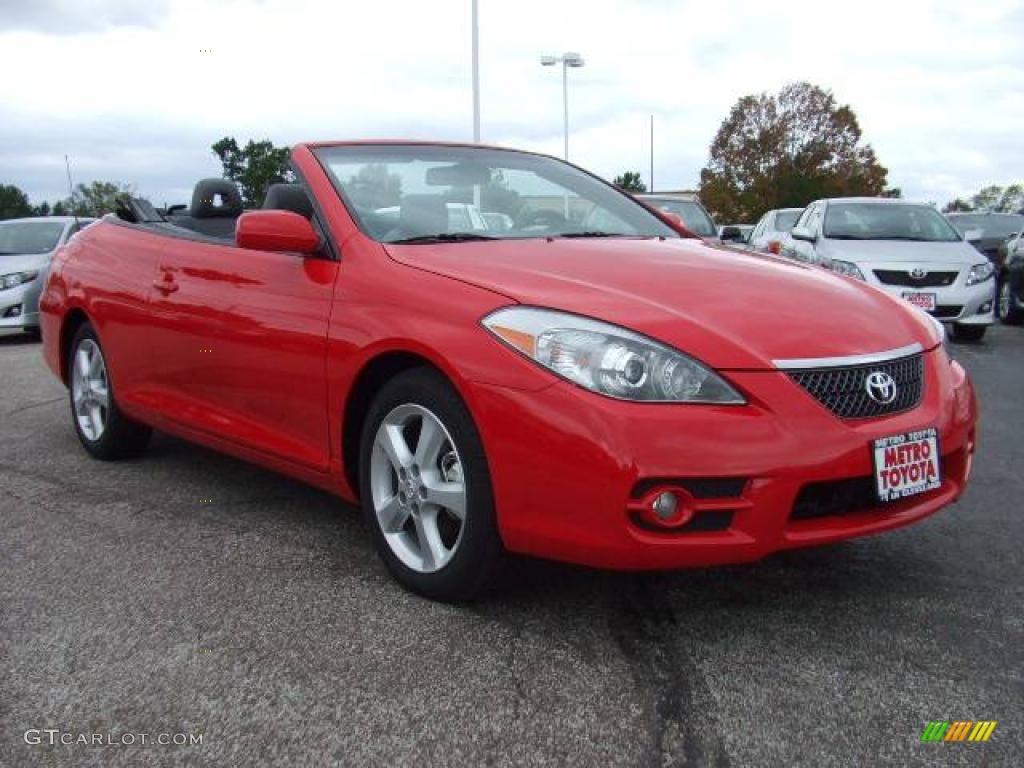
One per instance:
(253,167)
(785,150)
(97,198)
(630,181)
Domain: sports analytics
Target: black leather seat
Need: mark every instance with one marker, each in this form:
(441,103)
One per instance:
(288,197)
(216,205)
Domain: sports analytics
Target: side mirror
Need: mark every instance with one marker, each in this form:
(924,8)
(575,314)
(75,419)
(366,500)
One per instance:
(276,231)
(732,234)
(802,233)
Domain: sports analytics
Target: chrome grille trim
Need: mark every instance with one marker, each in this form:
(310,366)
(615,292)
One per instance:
(809,363)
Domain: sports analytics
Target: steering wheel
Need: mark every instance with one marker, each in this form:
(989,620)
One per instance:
(544,217)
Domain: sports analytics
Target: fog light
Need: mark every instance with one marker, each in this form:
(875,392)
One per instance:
(985,308)
(665,505)
(14,311)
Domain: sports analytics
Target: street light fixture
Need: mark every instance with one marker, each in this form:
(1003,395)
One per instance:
(566,60)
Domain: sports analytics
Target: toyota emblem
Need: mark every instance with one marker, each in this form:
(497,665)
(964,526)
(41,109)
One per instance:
(881,387)
(918,274)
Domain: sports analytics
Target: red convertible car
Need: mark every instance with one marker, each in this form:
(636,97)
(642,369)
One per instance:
(430,329)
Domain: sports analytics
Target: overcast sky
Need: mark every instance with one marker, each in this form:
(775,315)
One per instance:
(129,91)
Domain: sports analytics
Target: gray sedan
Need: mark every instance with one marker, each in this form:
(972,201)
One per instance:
(26,247)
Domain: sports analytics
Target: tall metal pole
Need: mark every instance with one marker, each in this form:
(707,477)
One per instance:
(476,74)
(652,153)
(565,103)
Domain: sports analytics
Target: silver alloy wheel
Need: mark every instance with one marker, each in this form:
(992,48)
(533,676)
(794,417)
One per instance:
(90,389)
(1004,300)
(418,490)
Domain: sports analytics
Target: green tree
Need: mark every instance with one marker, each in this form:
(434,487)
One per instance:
(97,198)
(630,182)
(785,150)
(374,187)
(993,198)
(254,167)
(43,209)
(13,202)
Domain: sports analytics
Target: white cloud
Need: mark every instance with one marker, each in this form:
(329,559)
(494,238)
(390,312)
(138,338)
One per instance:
(938,86)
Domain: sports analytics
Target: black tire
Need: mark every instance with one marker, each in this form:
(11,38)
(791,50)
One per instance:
(1006,307)
(968,332)
(479,556)
(34,333)
(121,437)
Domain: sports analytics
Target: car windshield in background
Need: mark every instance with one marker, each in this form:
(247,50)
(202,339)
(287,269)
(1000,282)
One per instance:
(693,216)
(784,220)
(990,225)
(887,221)
(420,194)
(24,237)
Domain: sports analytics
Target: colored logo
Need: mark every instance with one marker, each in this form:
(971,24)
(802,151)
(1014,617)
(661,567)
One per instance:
(881,387)
(959,730)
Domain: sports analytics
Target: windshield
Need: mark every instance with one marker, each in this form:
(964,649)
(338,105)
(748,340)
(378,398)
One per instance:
(23,237)
(429,193)
(784,220)
(886,221)
(991,225)
(691,212)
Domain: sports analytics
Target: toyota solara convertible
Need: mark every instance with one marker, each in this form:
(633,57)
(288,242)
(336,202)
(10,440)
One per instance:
(431,330)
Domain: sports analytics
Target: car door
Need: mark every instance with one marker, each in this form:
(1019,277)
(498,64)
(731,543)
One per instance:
(240,344)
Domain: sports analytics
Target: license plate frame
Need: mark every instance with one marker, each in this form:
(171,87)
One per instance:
(906,464)
(921,299)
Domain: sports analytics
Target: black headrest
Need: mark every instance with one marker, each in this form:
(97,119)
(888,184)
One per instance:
(215,198)
(423,215)
(288,197)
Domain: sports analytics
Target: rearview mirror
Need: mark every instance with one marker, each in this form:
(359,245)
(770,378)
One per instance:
(802,233)
(458,175)
(276,231)
(732,234)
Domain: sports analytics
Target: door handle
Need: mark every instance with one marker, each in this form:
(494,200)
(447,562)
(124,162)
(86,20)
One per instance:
(166,286)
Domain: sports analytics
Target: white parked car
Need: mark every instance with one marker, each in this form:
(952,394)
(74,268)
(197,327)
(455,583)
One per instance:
(908,249)
(770,232)
(26,248)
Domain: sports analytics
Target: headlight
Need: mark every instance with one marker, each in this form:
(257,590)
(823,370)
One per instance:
(14,279)
(608,359)
(847,268)
(980,273)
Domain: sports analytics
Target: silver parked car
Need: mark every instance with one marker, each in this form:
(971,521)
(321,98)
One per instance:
(26,247)
(908,249)
(688,208)
(771,230)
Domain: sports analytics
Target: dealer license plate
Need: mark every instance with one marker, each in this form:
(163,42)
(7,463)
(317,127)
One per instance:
(925,301)
(907,464)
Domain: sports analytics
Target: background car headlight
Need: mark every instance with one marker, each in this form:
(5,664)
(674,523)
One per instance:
(14,279)
(847,268)
(980,273)
(607,359)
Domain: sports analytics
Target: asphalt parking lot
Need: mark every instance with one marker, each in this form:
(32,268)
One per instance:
(187,592)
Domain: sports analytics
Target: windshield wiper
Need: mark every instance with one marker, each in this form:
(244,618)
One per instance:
(594,233)
(444,237)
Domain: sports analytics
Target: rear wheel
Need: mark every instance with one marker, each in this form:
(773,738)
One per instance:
(968,332)
(1006,305)
(102,429)
(426,491)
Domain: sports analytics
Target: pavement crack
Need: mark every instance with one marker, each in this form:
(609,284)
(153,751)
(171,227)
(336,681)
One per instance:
(40,404)
(681,728)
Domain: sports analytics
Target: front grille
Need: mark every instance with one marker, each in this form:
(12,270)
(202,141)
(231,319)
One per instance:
(844,392)
(947,310)
(904,278)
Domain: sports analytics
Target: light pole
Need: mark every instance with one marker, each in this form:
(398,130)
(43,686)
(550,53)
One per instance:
(566,60)
(476,74)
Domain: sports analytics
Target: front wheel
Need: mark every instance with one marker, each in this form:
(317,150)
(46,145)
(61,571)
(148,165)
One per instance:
(968,332)
(103,430)
(1006,306)
(425,489)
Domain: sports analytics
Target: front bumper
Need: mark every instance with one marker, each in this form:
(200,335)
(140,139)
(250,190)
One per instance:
(567,467)
(956,303)
(19,306)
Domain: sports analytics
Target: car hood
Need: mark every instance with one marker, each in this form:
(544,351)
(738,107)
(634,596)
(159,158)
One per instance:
(16,262)
(955,252)
(730,309)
